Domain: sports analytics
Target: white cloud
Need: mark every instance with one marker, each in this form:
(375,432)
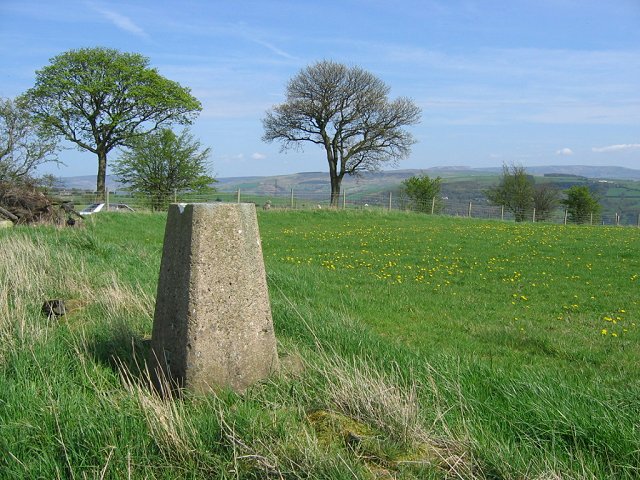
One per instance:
(617,148)
(564,152)
(258,156)
(121,21)
(254,36)
(273,48)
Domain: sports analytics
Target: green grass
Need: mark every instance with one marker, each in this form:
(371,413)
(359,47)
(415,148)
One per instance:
(432,347)
(499,290)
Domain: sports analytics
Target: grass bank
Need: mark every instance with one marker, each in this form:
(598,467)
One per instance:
(418,347)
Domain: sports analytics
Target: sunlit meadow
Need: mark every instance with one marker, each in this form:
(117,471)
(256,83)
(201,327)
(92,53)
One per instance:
(412,347)
(562,297)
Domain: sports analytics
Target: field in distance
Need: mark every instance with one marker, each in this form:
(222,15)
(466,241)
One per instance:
(617,188)
(422,347)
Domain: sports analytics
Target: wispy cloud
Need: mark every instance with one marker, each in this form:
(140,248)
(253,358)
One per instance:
(258,156)
(565,152)
(121,21)
(235,30)
(252,35)
(273,48)
(617,148)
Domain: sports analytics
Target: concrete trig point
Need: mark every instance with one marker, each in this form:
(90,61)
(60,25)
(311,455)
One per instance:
(212,326)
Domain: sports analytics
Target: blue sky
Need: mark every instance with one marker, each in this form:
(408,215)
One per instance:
(532,82)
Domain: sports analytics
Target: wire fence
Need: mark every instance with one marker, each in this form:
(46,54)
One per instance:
(301,200)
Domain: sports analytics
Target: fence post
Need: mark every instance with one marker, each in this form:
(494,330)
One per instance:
(591,221)
(433,205)
(390,195)
(534,215)
(469,213)
(617,219)
(566,213)
(344,198)
(639,220)
(291,198)
(502,212)
(107,198)
(175,195)
(238,197)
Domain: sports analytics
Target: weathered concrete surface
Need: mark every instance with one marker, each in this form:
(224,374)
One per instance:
(212,325)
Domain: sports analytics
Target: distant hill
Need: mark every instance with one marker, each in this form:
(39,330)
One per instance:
(597,172)
(88,182)
(318,182)
(384,180)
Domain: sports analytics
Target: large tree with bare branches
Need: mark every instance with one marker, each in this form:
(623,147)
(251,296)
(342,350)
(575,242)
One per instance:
(23,145)
(101,98)
(346,111)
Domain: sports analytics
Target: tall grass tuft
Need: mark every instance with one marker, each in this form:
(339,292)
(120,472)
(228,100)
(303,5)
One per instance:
(358,389)
(164,414)
(31,272)
(128,300)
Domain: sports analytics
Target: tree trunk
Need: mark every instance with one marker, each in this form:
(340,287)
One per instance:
(334,175)
(336,181)
(102,173)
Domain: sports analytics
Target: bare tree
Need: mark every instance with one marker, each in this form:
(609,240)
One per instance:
(514,191)
(346,111)
(23,145)
(545,198)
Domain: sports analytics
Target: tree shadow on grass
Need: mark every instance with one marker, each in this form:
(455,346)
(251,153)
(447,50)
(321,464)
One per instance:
(541,347)
(122,349)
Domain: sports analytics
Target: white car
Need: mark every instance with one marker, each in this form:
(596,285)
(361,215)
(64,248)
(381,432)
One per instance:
(102,207)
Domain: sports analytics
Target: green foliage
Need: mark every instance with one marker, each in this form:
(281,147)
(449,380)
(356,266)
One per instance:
(424,192)
(101,98)
(24,145)
(581,204)
(161,163)
(514,191)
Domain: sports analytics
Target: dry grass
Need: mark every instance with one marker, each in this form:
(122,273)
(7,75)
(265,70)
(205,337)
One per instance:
(390,403)
(29,275)
(358,389)
(118,297)
(164,414)
(33,271)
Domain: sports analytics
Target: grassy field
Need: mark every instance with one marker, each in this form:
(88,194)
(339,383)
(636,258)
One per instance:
(415,347)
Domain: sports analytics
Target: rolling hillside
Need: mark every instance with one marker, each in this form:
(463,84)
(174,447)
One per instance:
(617,188)
(318,182)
